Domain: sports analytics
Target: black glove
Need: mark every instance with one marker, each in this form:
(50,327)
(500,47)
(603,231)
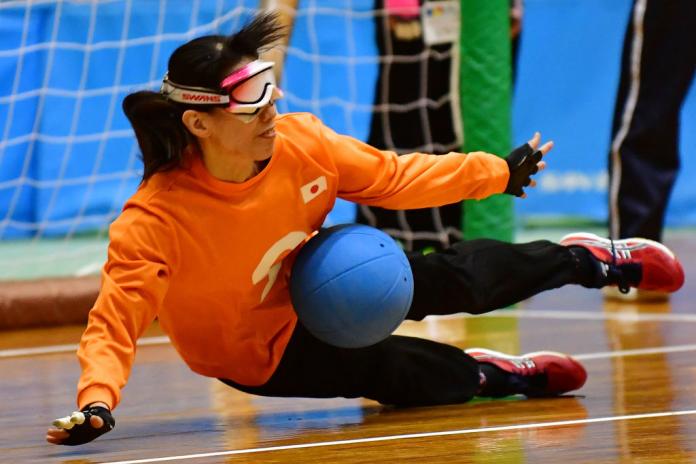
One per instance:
(522,163)
(81,433)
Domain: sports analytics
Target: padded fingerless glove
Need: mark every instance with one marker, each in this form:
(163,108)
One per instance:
(84,433)
(522,163)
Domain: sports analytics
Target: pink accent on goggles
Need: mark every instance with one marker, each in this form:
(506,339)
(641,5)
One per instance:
(250,87)
(245,91)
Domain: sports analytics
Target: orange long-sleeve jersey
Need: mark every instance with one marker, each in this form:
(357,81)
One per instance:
(208,257)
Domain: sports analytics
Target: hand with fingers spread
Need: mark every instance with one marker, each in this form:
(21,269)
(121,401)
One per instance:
(82,426)
(523,162)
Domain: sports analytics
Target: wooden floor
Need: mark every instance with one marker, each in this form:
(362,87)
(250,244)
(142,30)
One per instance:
(639,404)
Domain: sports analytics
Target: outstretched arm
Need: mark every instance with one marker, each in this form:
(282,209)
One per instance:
(134,282)
(381,178)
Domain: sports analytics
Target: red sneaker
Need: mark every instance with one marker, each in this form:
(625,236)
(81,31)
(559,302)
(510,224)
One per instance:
(539,374)
(660,269)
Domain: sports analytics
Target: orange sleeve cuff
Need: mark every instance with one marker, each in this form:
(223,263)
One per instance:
(498,173)
(504,175)
(95,393)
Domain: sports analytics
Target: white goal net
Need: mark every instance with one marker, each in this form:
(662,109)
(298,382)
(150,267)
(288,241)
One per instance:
(68,158)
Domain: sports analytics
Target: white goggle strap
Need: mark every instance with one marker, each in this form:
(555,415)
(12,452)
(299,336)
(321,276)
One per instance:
(192,95)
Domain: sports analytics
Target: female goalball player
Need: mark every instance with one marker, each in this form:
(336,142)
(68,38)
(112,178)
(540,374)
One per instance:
(231,190)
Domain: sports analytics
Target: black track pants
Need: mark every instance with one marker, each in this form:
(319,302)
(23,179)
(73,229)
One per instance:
(474,277)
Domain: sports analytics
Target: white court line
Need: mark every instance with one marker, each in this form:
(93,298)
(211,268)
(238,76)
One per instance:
(635,352)
(577,315)
(88,269)
(409,436)
(508,313)
(57,349)
(152,341)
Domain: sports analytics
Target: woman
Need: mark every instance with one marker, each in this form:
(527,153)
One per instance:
(231,189)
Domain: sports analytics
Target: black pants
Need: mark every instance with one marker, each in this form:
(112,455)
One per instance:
(475,277)
(658,62)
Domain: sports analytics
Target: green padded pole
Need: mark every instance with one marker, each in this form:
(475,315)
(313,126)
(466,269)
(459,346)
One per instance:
(485,95)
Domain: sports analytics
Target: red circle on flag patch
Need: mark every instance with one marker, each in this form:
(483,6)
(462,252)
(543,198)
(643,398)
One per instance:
(314,188)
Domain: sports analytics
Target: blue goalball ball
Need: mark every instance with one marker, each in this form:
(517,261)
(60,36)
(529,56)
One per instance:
(351,285)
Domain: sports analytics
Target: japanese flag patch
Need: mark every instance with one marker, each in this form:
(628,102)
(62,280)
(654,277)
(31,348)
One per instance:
(312,190)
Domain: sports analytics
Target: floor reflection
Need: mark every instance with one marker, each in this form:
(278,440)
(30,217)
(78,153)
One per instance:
(643,384)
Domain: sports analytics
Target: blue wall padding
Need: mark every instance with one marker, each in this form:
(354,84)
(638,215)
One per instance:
(56,185)
(567,79)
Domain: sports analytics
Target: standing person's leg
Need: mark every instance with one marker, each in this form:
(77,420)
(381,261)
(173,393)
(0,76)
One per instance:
(657,68)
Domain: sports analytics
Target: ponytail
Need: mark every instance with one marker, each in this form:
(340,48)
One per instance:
(161,134)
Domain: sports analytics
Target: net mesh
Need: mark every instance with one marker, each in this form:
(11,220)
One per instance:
(68,157)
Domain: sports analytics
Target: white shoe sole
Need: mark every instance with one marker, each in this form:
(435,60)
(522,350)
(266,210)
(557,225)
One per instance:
(498,354)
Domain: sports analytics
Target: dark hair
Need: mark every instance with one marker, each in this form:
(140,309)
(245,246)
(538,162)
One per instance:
(201,62)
